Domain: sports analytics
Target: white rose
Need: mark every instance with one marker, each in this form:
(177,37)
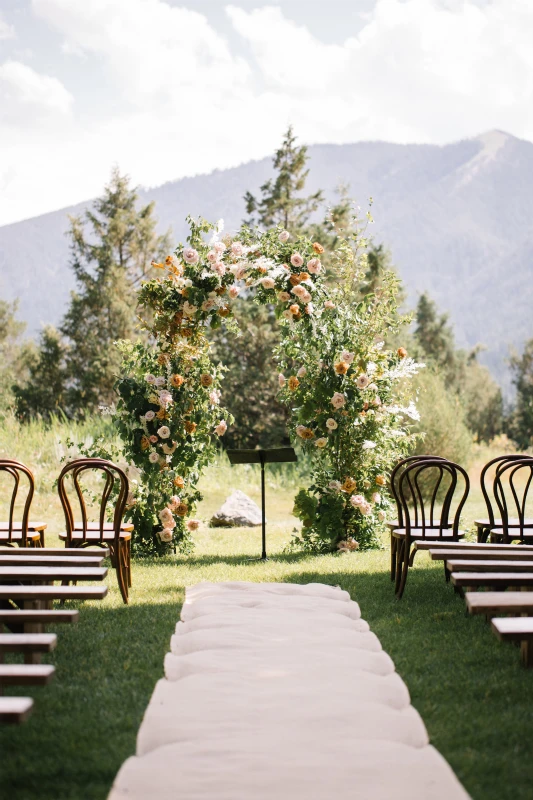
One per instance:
(149,416)
(153,458)
(190,255)
(338,400)
(362,381)
(166,535)
(376,497)
(331,424)
(149,378)
(335,486)
(322,442)
(237,249)
(189,310)
(347,356)
(267,283)
(284,237)
(164,432)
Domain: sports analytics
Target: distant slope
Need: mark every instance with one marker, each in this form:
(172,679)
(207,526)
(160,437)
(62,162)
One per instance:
(457,219)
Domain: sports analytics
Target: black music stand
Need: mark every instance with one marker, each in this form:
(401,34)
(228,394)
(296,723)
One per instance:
(262,457)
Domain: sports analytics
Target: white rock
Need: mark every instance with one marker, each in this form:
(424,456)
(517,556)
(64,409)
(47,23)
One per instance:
(238,511)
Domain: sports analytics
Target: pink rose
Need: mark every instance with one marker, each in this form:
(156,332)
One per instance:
(190,255)
(214,397)
(149,416)
(299,290)
(362,381)
(219,247)
(193,524)
(284,237)
(153,439)
(267,283)
(212,256)
(282,380)
(233,291)
(237,249)
(314,266)
(329,304)
(284,297)
(357,500)
(219,268)
(301,372)
(221,428)
(296,260)
(305,297)
(240,274)
(174,502)
(165,398)
(347,357)
(338,400)
(166,535)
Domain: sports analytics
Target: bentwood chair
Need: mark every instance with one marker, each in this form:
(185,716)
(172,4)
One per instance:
(14,531)
(395,476)
(422,517)
(485,525)
(511,486)
(115,534)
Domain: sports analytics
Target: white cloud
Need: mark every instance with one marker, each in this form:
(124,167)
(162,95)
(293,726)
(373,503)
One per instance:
(26,94)
(6,31)
(187,102)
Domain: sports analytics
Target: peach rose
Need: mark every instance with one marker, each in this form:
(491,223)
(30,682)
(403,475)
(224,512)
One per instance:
(284,237)
(341,368)
(318,248)
(193,524)
(296,260)
(314,266)
(293,383)
(221,428)
(338,400)
(177,381)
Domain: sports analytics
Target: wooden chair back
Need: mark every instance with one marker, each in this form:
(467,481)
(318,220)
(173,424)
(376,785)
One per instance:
(499,461)
(395,478)
(113,474)
(512,496)
(16,470)
(423,513)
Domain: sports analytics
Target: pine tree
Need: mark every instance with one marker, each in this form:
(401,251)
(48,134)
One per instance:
(521,422)
(11,351)
(282,201)
(111,250)
(434,335)
(44,391)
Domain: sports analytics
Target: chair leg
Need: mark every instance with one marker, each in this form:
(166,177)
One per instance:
(122,570)
(393,545)
(400,548)
(403,577)
(128,548)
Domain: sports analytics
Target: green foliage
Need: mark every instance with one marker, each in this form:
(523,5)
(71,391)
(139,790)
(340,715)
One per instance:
(467,382)
(12,351)
(442,428)
(250,385)
(44,392)
(282,202)
(521,421)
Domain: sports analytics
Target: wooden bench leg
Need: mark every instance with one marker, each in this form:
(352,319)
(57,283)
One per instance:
(526,653)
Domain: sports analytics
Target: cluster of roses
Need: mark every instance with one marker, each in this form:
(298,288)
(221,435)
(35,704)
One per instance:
(166,516)
(164,398)
(207,280)
(359,501)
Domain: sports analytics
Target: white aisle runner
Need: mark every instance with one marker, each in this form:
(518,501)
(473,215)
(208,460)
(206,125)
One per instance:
(280,692)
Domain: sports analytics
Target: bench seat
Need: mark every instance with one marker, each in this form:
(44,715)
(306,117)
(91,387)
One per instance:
(517,629)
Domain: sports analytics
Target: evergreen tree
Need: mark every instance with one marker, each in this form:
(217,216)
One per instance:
(434,335)
(521,422)
(250,386)
(282,201)
(43,393)
(11,351)
(111,250)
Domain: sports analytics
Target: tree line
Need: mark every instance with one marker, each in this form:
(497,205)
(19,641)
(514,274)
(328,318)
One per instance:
(71,370)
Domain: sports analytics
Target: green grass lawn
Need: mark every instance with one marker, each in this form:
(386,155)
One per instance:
(475,698)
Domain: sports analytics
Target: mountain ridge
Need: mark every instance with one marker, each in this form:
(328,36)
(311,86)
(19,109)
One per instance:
(455,217)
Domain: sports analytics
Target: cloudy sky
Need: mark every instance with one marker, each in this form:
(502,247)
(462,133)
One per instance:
(167,88)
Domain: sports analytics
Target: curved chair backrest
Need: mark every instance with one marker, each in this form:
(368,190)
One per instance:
(395,477)
(15,469)
(499,461)
(447,476)
(511,496)
(112,474)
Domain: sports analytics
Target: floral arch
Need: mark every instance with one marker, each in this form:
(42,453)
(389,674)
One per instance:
(343,386)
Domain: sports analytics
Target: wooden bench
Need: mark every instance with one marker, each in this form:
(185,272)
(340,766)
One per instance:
(17,560)
(472,546)
(495,580)
(517,629)
(496,603)
(488,565)
(26,674)
(36,618)
(48,593)
(18,573)
(447,553)
(79,552)
(27,642)
(15,709)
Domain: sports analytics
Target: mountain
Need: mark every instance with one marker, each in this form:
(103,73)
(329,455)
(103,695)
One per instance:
(456,218)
